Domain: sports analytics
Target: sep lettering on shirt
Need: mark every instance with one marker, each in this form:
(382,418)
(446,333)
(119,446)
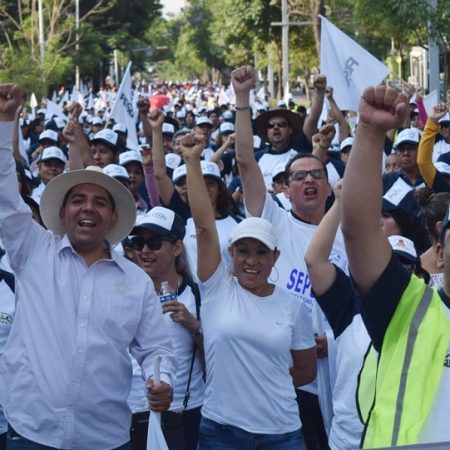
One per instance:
(299,282)
(300,285)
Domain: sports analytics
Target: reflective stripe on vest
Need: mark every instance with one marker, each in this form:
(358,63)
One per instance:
(412,336)
(415,343)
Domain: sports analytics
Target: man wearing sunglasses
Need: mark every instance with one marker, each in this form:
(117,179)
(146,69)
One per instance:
(287,133)
(81,309)
(308,190)
(277,127)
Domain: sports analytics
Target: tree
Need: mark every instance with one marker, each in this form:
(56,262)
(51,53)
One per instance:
(23,61)
(105,25)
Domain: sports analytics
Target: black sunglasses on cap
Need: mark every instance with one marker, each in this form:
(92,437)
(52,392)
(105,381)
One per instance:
(154,242)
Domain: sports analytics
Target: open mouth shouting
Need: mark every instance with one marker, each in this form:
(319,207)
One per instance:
(87,223)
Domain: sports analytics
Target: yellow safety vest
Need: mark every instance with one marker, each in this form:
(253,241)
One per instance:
(409,369)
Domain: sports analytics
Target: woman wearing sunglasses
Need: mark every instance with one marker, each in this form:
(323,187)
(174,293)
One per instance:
(158,240)
(257,337)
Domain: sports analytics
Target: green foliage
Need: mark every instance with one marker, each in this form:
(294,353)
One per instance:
(105,25)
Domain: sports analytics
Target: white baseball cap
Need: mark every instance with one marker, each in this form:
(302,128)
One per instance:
(408,136)
(226,127)
(163,221)
(403,247)
(130,156)
(256,228)
(178,173)
(107,136)
(116,171)
(49,135)
(210,169)
(172,160)
(53,153)
(203,120)
(120,128)
(168,128)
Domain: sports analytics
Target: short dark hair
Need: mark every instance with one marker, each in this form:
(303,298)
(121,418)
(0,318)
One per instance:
(287,171)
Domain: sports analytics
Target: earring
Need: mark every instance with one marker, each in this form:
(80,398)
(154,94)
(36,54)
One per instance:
(274,268)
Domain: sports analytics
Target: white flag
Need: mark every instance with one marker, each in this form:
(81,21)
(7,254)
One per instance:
(53,109)
(122,110)
(349,68)
(431,100)
(33,101)
(65,98)
(33,104)
(22,149)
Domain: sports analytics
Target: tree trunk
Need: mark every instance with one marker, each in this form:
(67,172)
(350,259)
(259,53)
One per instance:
(317,7)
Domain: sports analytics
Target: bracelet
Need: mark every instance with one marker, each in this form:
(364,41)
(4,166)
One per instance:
(199,332)
(242,108)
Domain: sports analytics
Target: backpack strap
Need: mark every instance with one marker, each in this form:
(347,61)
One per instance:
(196,291)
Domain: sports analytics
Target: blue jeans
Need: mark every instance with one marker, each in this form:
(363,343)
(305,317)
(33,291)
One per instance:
(214,436)
(14,441)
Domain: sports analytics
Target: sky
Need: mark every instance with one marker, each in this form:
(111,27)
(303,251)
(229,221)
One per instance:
(172,6)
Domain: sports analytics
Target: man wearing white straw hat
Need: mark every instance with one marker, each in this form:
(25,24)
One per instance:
(65,372)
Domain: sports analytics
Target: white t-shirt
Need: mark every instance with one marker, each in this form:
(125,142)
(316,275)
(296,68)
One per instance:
(351,347)
(285,202)
(290,270)
(437,426)
(270,160)
(439,149)
(7,308)
(294,237)
(37,192)
(248,342)
(225,228)
(182,343)
(333,175)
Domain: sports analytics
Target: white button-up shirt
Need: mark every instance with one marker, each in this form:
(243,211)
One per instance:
(65,372)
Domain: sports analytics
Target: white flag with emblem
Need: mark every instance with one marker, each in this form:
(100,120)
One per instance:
(349,68)
(122,110)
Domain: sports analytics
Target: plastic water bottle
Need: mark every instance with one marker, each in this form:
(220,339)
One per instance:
(167,293)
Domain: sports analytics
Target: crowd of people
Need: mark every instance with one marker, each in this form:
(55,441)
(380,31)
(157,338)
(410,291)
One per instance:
(288,268)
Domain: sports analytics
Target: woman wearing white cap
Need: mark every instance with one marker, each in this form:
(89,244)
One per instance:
(257,338)
(158,240)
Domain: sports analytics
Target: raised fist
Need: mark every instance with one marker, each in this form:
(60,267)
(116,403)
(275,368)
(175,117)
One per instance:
(243,79)
(382,108)
(11,97)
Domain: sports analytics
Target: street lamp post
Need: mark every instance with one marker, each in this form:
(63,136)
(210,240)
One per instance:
(41,31)
(285,42)
(77,45)
(285,47)
(433,58)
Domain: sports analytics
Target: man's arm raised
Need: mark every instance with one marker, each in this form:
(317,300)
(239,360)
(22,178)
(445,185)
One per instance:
(80,154)
(368,249)
(243,80)
(311,122)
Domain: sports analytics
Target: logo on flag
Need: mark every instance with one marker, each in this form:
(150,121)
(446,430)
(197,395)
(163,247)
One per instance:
(349,68)
(122,110)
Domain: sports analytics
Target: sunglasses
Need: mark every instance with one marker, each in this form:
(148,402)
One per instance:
(300,175)
(271,125)
(154,242)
